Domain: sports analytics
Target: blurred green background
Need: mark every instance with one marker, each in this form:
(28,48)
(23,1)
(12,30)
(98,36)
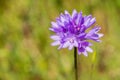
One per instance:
(25,50)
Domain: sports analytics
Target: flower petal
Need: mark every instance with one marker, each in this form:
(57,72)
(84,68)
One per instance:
(85,53)
(79,53)
(92,21)
(89,49)
(70,47)
(55,43)
(74,14)
(86,22)
(85,43)
(51,29)
(81,49)
(100,35)
(82,35)
(94,30)
(61,45)
(79,19)
(66,12)
(66,44)
(54,25)
(55,37)
(87,17)
(62,19)
(75,43)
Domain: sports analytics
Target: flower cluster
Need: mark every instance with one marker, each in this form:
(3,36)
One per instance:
(71,32)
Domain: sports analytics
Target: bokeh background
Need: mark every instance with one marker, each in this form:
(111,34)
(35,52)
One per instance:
(25,50)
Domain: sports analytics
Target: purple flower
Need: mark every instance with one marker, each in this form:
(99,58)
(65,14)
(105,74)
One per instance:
(71,32)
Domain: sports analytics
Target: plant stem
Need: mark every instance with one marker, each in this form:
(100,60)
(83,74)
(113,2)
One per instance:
(75,63)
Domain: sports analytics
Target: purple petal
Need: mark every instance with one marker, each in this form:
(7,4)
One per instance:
(85,44)
(74,14)
(75,43)
(94,37)
(61,45)
(87,17)
(60,24)
(79,53)
(92,21)
(79,19)
(100,35)
(54,25)
(62,19)
(97,40)
(55,43)
(82,35)
(81,49)
(55,29)
(70,47)
(66,12)
(93,32)
(66,44)
(55,37)
(86,22)
(83,28)
(85,53)
(89,49)
(51,29)
(71,29)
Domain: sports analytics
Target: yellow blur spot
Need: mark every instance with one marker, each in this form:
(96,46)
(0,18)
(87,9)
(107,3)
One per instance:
(94,57)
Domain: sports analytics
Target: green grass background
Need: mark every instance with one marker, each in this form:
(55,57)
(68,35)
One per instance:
(25,50)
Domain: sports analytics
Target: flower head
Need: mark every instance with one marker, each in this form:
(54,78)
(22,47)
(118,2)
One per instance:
(71,32)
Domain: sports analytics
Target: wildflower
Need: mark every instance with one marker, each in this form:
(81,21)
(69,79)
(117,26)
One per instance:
(71,32)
